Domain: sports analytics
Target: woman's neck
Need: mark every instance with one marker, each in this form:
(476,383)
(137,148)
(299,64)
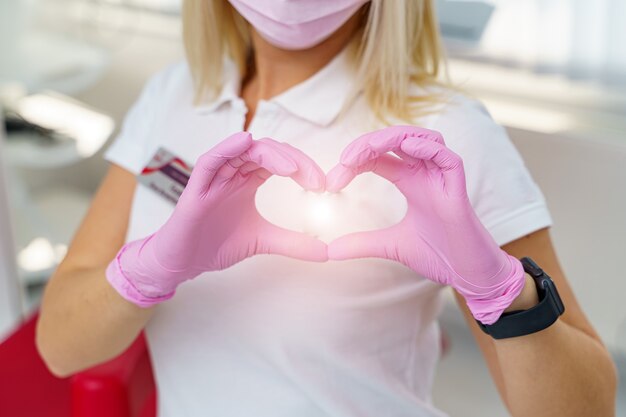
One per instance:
(276,70)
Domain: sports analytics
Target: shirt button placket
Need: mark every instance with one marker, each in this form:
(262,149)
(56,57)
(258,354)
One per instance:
(264,120)
(237,117)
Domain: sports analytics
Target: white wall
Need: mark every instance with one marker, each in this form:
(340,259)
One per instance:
(584,181)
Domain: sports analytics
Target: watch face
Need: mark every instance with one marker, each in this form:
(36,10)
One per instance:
(552,292)
(543,285)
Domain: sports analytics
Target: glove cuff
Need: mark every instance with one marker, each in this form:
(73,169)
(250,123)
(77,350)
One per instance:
(488,304)
(118,278)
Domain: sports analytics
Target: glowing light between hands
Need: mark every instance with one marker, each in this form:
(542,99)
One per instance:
(321,214)
(320,210)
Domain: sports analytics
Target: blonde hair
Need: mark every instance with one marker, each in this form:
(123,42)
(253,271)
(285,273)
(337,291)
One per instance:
(397,48)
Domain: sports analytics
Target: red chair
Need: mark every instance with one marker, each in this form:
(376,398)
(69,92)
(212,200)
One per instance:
(122,387)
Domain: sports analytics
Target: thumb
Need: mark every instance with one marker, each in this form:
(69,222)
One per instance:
(372,244)
(276,240)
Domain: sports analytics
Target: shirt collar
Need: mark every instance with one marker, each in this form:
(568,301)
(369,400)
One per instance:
(318,99)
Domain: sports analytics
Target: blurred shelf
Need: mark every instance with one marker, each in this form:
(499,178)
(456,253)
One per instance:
(544,103)
(27,150)
(77,132)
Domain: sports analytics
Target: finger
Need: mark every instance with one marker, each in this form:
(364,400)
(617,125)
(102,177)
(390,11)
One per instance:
(449,163)
(211,161)
(281,162)
(420,134)
(229,169)
(412,162)
(339,177)
(373,244)
(249,167)
(406,157)
(257,176)
(391,138)
(279,241)
(386,166)
(309,175)
(385,140)
(273,158)
(253,179)
(443,157)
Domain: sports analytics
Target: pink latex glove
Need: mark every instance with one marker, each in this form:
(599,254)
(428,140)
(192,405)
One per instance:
(440,237)
(215,223)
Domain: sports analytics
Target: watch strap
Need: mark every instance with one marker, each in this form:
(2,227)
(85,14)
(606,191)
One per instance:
(536,318)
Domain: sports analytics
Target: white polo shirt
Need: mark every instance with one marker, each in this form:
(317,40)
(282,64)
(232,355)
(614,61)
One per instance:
(277,337)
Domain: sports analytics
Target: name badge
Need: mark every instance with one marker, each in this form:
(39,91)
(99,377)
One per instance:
(166,174)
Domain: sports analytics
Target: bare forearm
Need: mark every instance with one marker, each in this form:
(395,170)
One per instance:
(558,371)
(84,321)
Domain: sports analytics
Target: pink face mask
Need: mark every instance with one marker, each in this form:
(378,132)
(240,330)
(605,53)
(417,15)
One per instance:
(296,24)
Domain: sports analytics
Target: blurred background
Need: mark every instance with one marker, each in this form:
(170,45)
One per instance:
(552,71)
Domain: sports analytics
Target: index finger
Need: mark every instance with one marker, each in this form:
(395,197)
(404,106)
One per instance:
(211,161)
(267,153)
(371,145)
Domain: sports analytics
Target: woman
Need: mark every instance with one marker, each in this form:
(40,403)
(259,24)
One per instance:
(344,329)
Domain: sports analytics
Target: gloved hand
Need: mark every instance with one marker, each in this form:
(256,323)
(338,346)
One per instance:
(215,223)
(440,237)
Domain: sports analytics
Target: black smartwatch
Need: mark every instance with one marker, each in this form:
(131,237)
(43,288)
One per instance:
(536,318)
